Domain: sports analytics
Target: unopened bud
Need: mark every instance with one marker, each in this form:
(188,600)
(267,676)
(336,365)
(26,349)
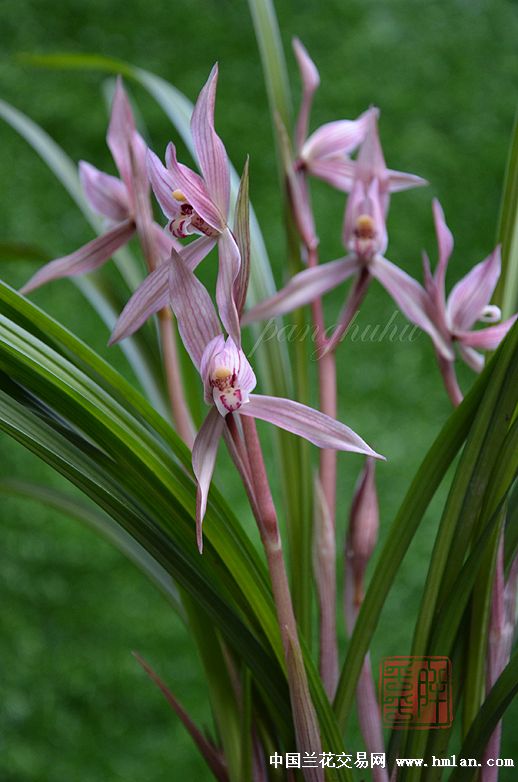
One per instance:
(363,527)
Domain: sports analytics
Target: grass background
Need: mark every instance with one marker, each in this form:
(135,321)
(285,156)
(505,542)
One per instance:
(73,703)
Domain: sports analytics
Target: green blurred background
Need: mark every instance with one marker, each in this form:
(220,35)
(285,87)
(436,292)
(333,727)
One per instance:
(73,703)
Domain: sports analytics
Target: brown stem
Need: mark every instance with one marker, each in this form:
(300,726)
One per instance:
(450,380)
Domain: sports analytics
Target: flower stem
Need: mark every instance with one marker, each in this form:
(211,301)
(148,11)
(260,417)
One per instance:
(304,715)
(173,374)
(352,304)
(450,380)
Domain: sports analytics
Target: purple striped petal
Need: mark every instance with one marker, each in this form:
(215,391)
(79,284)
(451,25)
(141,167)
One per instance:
(337,171)
(120,131)
(106,194)
(337,138)
(163,185)
(194,190)
(242,236)
(210,149)
(319,429)
(86,259)
(204,452)
(229,263)
(411,299)
(468,298)
(445,246)
(310,81)
(486,339)
(303,288)
(197,320)
(150,297)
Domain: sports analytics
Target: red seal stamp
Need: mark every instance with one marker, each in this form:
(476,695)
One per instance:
(416,692)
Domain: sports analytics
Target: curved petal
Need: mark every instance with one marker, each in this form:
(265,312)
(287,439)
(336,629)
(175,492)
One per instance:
(310,81)
(86,259)
(204,452)
(229,262)
(120,130)
(400,180)
(106,194)
(194,190)
(150,297)
(319,429)
(163,185)
(337,171)
(197,320)
(445,246)
(340,137)
(303,288)
(411,299)
(469,296)
(473,359)
(210,149)
(486,339)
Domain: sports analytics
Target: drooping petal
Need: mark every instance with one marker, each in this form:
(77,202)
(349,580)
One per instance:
(204,452)
(86,259)
(149,298)
(197,320)
(194,189)
(488,338)
(106,194)
(473,358)
(229,262)
(337,171)
(318,428)
(210,150)
(303,288)
(310,81)
(163,185)
(340,137)
(411,299)
(468,298)
(120,130)
(445,246)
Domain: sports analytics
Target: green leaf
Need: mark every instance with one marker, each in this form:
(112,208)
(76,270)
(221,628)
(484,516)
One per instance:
(506,294)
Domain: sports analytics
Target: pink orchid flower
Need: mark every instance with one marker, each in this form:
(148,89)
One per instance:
(468,302)
(197,204)
(228,381)
(124,202)
(365,237)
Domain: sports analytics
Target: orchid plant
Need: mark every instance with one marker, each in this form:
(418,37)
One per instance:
(151,478)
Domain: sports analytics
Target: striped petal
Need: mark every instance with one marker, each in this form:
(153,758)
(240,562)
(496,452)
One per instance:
(337,138)
(229,263)
(468,298)
(163,185)
(86,259)
(210,150)
(303,288)
(310,81)
(486,339)
(149,298)
(321,430)
(106,194)
(194,189)
(120,131)
(204,452)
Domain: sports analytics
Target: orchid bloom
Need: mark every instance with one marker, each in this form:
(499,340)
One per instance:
(124,202)
(468,301)
(324,154)
(229,380)
(197,204)
(365,237)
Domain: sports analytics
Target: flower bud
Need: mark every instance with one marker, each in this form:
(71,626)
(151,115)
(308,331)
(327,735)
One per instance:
(363,527)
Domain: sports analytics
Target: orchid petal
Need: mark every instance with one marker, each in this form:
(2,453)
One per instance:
(445,246)
(120,131)
(411,299)
(142,204)
(106,194)
(303,288)
(197,320)
(310,81)
(86,259)
(318,428)
(194,189)
(469,296)
(337,171)
(337,138)
(149,298)
(371,161)
(204,452)
(210,149)
(163,185)
(229,263)
(473,359)
(488,338)
(242,235)
(399,180)
(297,190)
